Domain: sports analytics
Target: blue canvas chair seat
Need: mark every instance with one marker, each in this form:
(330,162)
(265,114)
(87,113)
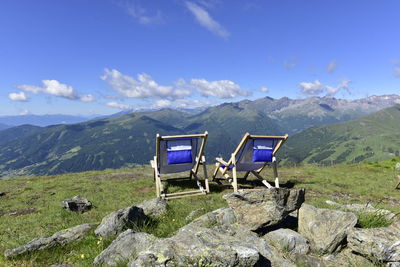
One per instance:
(253,153)
(176,154)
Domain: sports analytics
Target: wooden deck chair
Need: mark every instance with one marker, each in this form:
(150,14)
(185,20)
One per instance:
(252,154)
(176,154)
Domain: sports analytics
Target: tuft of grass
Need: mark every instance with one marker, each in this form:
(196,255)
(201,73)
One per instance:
(372,220)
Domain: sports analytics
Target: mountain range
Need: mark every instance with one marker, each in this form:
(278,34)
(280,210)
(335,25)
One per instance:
(129,139)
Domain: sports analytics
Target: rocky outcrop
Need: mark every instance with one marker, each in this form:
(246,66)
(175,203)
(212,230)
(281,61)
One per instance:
(127,245)
(225,246)
(289,241)
(118,221)
(58,239)
(217,238)
(261,208)
(77,204)
(381,244)
(155,207)
(325,229)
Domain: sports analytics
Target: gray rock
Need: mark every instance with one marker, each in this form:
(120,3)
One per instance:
(119,221)
(382,244)
(367,208)
(266,207)
(344,258)
(289,241)
(393,264)
(219,217)
(198,245)
(127,245)
(155,207)
(220,245)
(194,214)
(325,229)
(77,203)
(61,238)
(2,194)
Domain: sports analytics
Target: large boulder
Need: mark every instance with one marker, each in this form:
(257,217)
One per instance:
(381,244)
(325,229)
(127,245)
(194,245)
(289,241)
(265,207)
(119,221)
(61,238)
(155,207)
(77,203)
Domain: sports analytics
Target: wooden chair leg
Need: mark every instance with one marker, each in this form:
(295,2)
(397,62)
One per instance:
(205,174)
(275,167)
(217,165)
(262,179)
(246,175)
(234,175)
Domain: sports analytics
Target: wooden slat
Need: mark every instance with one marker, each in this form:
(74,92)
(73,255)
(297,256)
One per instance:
(184,193)
(189,195)
(183,136)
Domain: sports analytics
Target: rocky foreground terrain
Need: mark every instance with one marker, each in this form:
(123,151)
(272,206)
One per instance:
(266,227)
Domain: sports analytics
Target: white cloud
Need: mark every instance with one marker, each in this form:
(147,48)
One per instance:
(162,103)
(54,87)
(143,87)
(220,89)
(119,105)
(331,66)
(316,88)
(264,89)
(87,98)
(397,72)
(21,96)
(142,15)
(51,87)
(30,88)
(205,20)
(181,103)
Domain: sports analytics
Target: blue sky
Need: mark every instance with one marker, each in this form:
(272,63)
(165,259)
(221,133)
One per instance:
(99,57)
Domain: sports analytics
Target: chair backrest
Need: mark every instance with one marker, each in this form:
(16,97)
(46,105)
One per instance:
(179,153)
(254,151)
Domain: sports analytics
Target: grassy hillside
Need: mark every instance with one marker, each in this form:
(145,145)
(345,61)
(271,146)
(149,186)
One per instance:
(100,144)
(31,206)
(374,137)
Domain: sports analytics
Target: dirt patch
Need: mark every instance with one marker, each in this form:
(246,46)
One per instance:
(22,212)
